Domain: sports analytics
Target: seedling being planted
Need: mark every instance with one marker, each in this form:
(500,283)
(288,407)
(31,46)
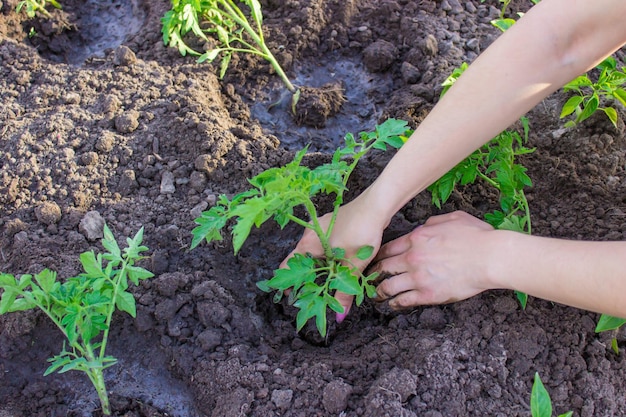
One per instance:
(310,282)
(232,29)
(82,307)
(540,401)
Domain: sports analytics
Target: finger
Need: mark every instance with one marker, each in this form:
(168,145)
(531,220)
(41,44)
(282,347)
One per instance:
(393,248)
(392,287)
(443,218)
(346,301)
(409,299)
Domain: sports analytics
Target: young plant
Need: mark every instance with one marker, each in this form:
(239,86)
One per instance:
(540,401)
(32,7)
(609,323)
(233,30)
(276,193)
(82,307)
(494,163)
(590,95)
(503,22)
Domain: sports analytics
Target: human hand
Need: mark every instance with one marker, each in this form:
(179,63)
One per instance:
(357,225)
(445,260)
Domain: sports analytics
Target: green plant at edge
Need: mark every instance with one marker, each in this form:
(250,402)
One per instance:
(495,164)
(503,23)
(82,306)
(540,401)
(275,194)
(32,7)
(228,23)
(589,94)
(610,323)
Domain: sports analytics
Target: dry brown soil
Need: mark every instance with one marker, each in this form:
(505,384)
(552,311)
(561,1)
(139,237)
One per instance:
(137,135)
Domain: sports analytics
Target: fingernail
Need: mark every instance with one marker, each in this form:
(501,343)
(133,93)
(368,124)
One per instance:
(341,316)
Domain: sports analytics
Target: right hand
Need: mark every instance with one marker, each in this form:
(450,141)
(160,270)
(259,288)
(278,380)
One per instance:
(356,225)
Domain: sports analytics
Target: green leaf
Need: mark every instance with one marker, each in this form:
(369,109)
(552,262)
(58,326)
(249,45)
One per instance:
(611,114)
(345,281)
(137,274)
(126,302)
(91,265)
(110,244)
(503,24)
(589,108)
(300,269)
(540,402)
(46,280)
(365,252)
(571,105)
(522,298)
(607,323)
(620,95)
(210,224)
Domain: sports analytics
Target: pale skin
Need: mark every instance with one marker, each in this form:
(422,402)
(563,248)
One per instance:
(456,256)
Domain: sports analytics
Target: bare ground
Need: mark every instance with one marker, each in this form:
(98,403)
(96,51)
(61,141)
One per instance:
(139,136)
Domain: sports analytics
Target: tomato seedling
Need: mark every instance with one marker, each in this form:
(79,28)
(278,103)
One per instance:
(275,194)
(495,164)
(82,306)
(234,32)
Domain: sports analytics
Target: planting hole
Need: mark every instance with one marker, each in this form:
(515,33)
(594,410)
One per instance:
(92,27)
(360,112)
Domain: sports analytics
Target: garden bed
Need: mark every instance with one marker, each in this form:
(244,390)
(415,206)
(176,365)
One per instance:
(139,136)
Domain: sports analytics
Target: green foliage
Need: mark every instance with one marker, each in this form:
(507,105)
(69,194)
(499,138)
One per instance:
(540,401)
(610,323)
(230,29)
(494,163)
(82,306)
(502,22)
(32,7)
(591,95)
(275,194)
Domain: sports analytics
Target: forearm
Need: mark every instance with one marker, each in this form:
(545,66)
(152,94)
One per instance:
(587,275)
(552,44)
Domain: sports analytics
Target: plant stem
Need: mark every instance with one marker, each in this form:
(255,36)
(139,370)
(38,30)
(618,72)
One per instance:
(97,379)
(258,38)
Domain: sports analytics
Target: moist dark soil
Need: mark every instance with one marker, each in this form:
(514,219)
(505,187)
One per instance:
(101,122)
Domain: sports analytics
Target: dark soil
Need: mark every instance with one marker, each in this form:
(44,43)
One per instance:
(100,121)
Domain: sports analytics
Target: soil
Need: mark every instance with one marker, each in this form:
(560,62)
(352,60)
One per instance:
(100,121)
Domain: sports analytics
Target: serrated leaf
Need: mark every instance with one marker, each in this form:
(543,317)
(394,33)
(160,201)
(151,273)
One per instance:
(210,224)
(91,265)
(110,244)
(126,302)
(540,403)
(46,280)
(345,281)
(136,274)
(300,269)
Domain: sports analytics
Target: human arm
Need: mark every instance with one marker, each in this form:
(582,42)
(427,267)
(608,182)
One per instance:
(455,256)
(553,43)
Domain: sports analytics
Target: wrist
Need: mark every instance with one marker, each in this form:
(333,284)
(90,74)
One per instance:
(500,272)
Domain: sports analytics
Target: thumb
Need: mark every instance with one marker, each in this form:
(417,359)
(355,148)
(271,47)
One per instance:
(346,301)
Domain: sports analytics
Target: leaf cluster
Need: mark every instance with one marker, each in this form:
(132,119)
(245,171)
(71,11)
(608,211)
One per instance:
(590,95)
(231,31)
(82,306)
(32,7)
(275,194)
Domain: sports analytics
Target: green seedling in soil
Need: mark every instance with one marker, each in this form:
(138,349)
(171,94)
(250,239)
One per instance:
(232,29)
(540,401)
(503,22)
(276,192)
(32,7)
(495,164)
(609,323)
(590,95)
(82,306)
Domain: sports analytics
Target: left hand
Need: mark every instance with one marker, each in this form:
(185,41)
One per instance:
(445,260)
